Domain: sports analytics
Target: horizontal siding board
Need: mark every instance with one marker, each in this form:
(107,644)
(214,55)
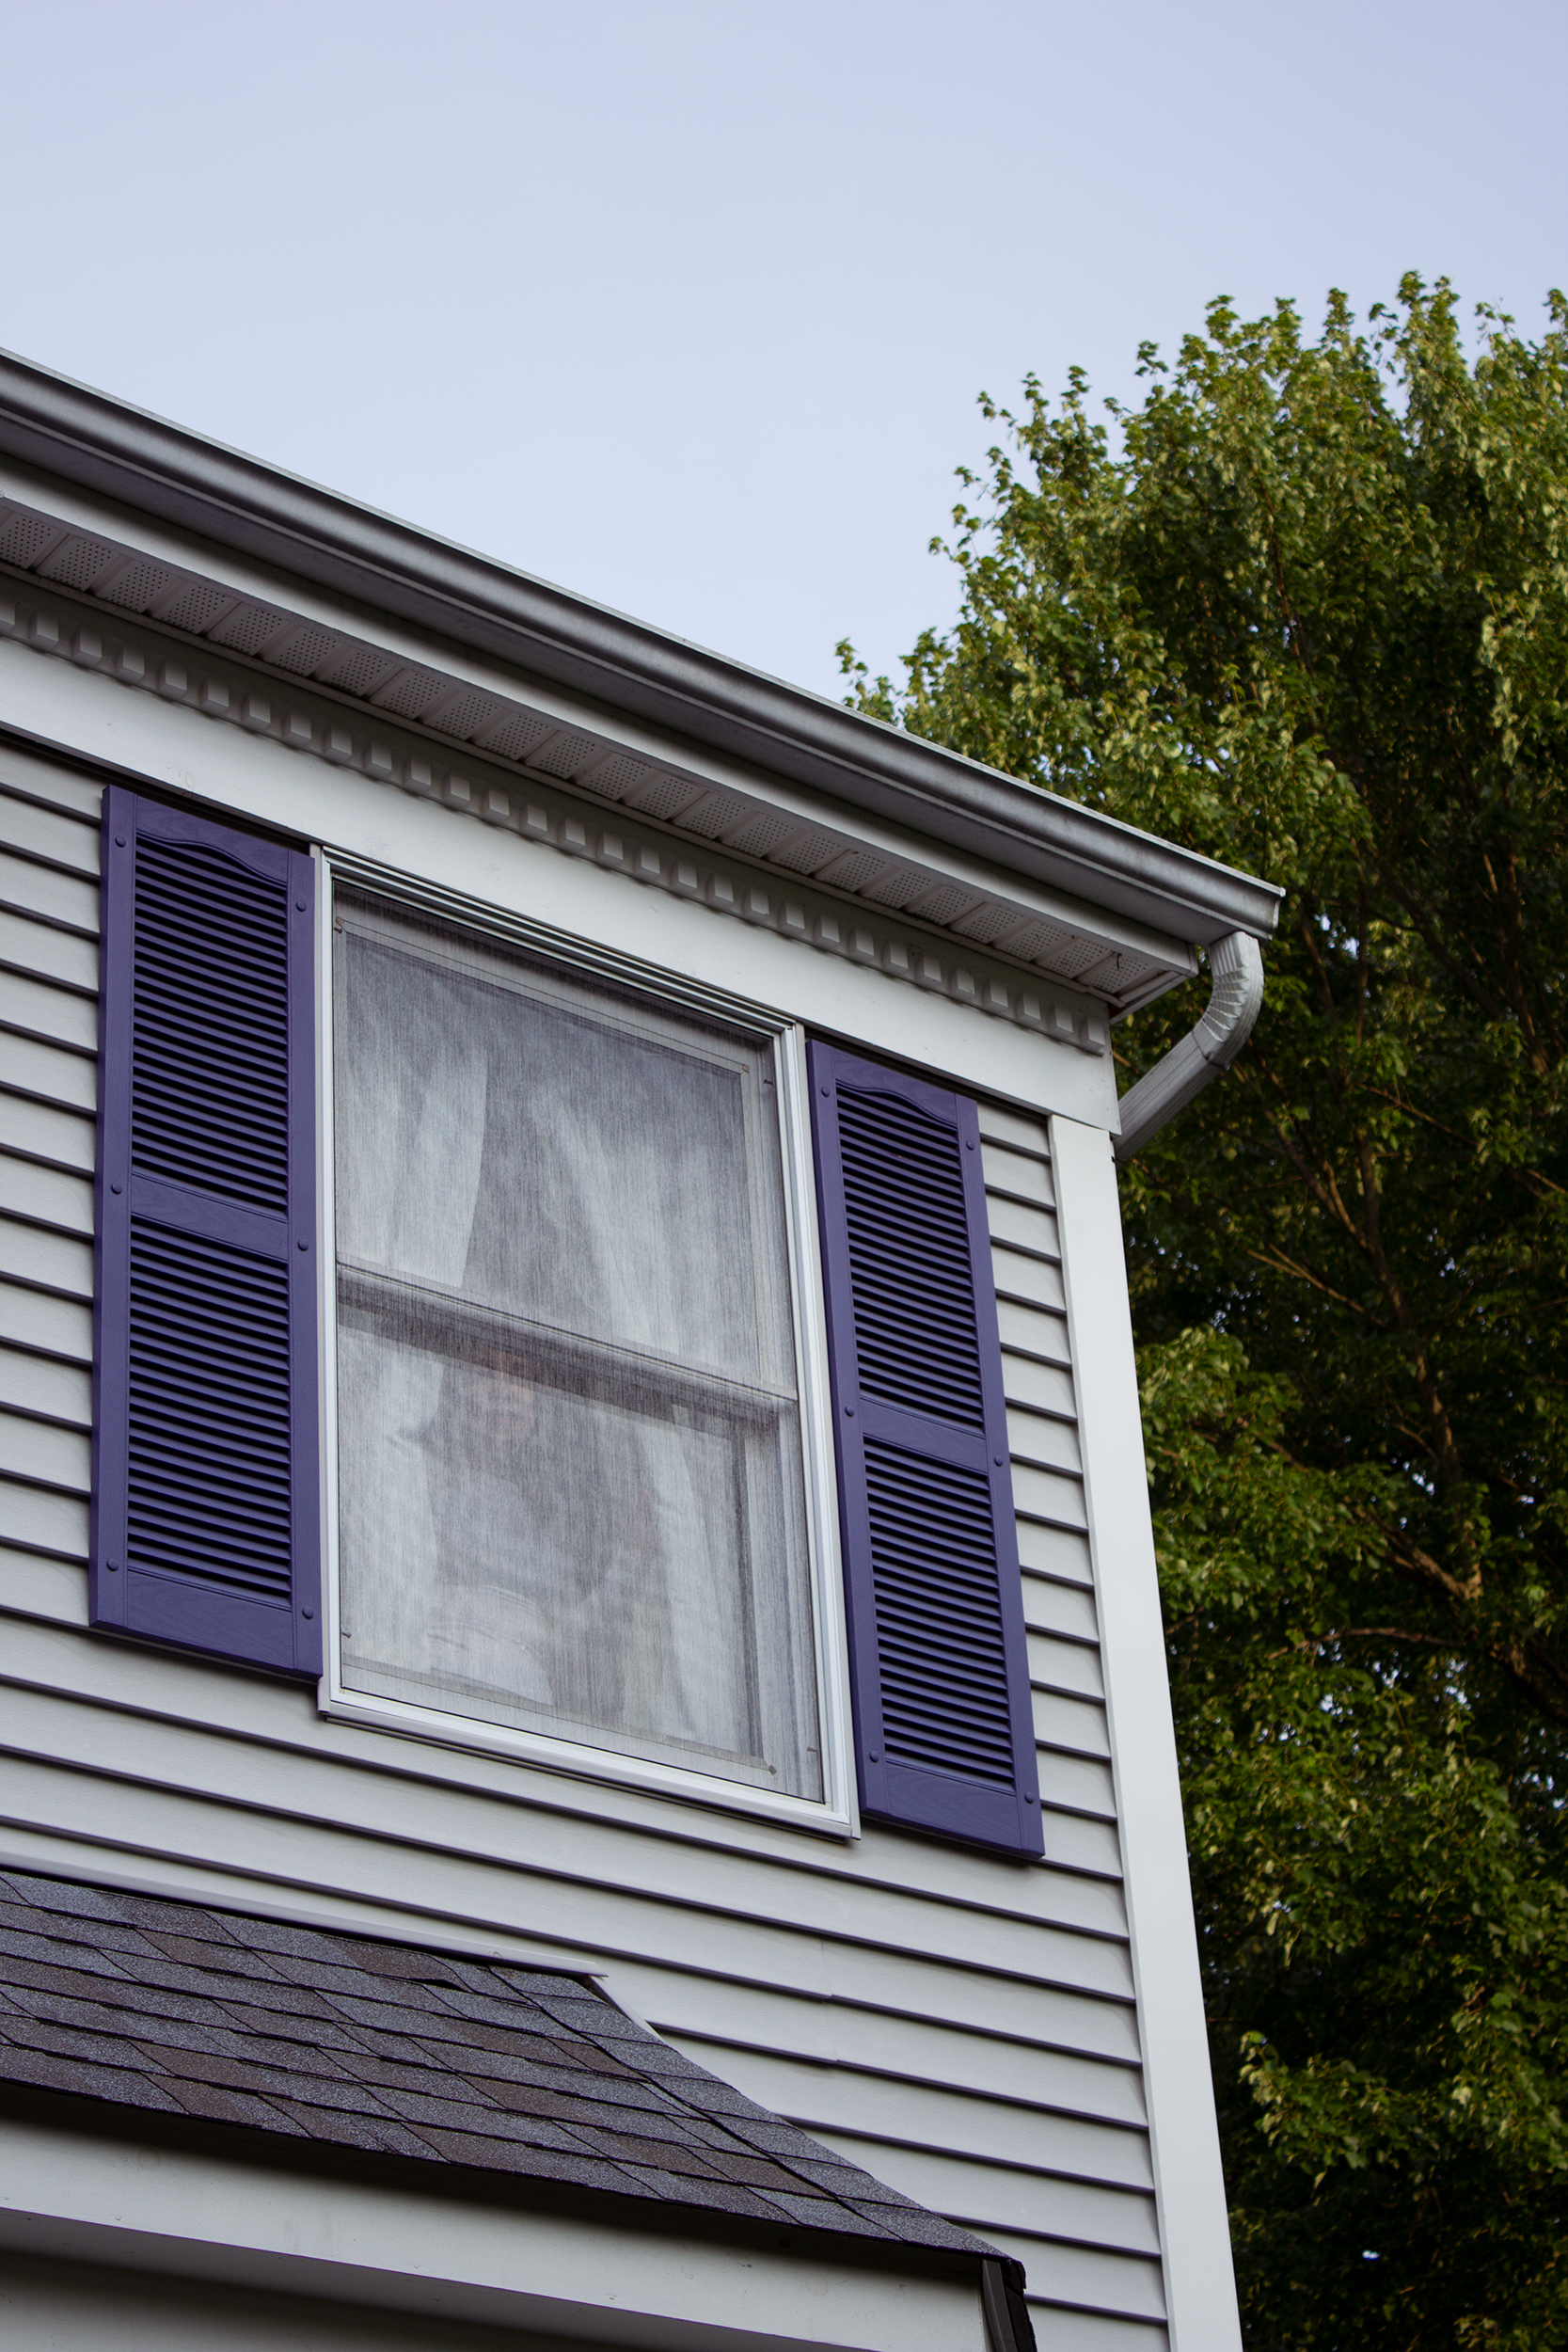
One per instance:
(1028,1330)
(894,2051)
(42,1455)
(44,1196)
(1066,1611)
(887,2041)
(67,900)
(47,1073)
(57,1138)
(1031,2244)
(1077,1843)
(34,1385)
(1045,2204)
(1034,1437)
(837,2098)
(46,1325)
(1071,1900)
(1079,1784)
(1071,1668)
(1087,1899)
(36,1519)
(1055,1551)
(1049,1495)
(43,1260)
(1070,1724)
(45,781)
(1043,1388)
(1032,1282)
(1127,2286)
(50,837)
(32,1586)
(1020,1177)
(1092,2332)
(52,1015)
(1017,1226)
(1015,1130)
(50,955)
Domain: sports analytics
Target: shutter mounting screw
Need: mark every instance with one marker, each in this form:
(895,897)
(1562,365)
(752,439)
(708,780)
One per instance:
(850,1410)
(306,1613)
(305,1245)
(113,1567)
(300,904)
(114,1188)
(119,841)
(873,1755)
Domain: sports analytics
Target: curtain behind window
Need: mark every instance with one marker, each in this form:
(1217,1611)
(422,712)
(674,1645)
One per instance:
(569,1451)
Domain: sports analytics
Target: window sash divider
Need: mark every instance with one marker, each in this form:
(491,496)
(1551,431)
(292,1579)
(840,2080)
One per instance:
(374,1291)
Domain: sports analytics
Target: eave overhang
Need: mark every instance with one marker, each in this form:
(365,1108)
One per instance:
(245,508)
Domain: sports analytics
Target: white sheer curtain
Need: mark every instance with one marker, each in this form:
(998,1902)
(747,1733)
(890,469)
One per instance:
(569,1450)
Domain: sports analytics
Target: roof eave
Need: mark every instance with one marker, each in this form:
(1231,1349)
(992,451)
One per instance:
(237,504)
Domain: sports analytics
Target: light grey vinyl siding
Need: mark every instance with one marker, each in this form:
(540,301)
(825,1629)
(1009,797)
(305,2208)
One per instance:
(963,2025)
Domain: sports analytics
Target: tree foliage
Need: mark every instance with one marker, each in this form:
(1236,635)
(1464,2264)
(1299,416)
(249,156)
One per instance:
(1306,608)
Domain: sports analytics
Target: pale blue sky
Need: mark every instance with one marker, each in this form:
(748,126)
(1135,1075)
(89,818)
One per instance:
(686,305)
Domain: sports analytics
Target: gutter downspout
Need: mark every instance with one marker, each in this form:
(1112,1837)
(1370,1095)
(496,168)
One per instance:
(1236,963)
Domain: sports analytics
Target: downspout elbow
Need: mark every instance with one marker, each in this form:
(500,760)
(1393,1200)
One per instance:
(1236,964)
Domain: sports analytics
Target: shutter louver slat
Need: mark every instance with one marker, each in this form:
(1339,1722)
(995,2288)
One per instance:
(204,1484)
(943,1720)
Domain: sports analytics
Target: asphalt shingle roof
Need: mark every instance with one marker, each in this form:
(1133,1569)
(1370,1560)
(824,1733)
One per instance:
(394,2050)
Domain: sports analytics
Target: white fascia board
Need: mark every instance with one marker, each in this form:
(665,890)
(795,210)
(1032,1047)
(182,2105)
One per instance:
(71,2195)
(1194,2233)
(311,603)
(246,776)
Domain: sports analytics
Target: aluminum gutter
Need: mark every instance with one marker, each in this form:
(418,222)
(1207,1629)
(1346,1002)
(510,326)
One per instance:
(1209,1047)
(239,504)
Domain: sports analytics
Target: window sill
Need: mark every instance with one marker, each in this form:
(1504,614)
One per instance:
(579,1762)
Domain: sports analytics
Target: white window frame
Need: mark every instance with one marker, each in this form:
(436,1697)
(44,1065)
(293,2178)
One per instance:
(836,1813)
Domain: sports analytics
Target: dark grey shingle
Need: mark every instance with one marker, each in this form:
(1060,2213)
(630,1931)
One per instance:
(439,2059)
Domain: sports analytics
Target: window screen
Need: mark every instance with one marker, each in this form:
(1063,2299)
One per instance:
(571,1497)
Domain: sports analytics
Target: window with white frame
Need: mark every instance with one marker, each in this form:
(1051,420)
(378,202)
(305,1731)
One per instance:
(571,1499)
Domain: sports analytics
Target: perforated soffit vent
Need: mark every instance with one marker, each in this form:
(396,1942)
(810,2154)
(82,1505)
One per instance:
(535,742)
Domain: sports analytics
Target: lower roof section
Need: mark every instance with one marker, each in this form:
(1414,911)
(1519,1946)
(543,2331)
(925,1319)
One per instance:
(432,2057)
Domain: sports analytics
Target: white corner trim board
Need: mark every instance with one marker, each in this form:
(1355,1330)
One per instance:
(1184,2131)
(80,2198)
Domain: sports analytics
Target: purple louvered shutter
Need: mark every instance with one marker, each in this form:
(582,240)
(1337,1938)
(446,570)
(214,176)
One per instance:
(943,1729)
(206,1508)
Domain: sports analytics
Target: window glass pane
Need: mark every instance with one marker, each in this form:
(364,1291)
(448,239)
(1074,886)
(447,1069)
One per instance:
(569,1445)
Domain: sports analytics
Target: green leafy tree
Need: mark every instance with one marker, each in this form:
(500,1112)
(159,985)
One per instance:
(1306,608)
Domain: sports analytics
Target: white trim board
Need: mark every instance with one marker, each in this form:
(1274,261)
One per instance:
(155,2208)
(1183,2131)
